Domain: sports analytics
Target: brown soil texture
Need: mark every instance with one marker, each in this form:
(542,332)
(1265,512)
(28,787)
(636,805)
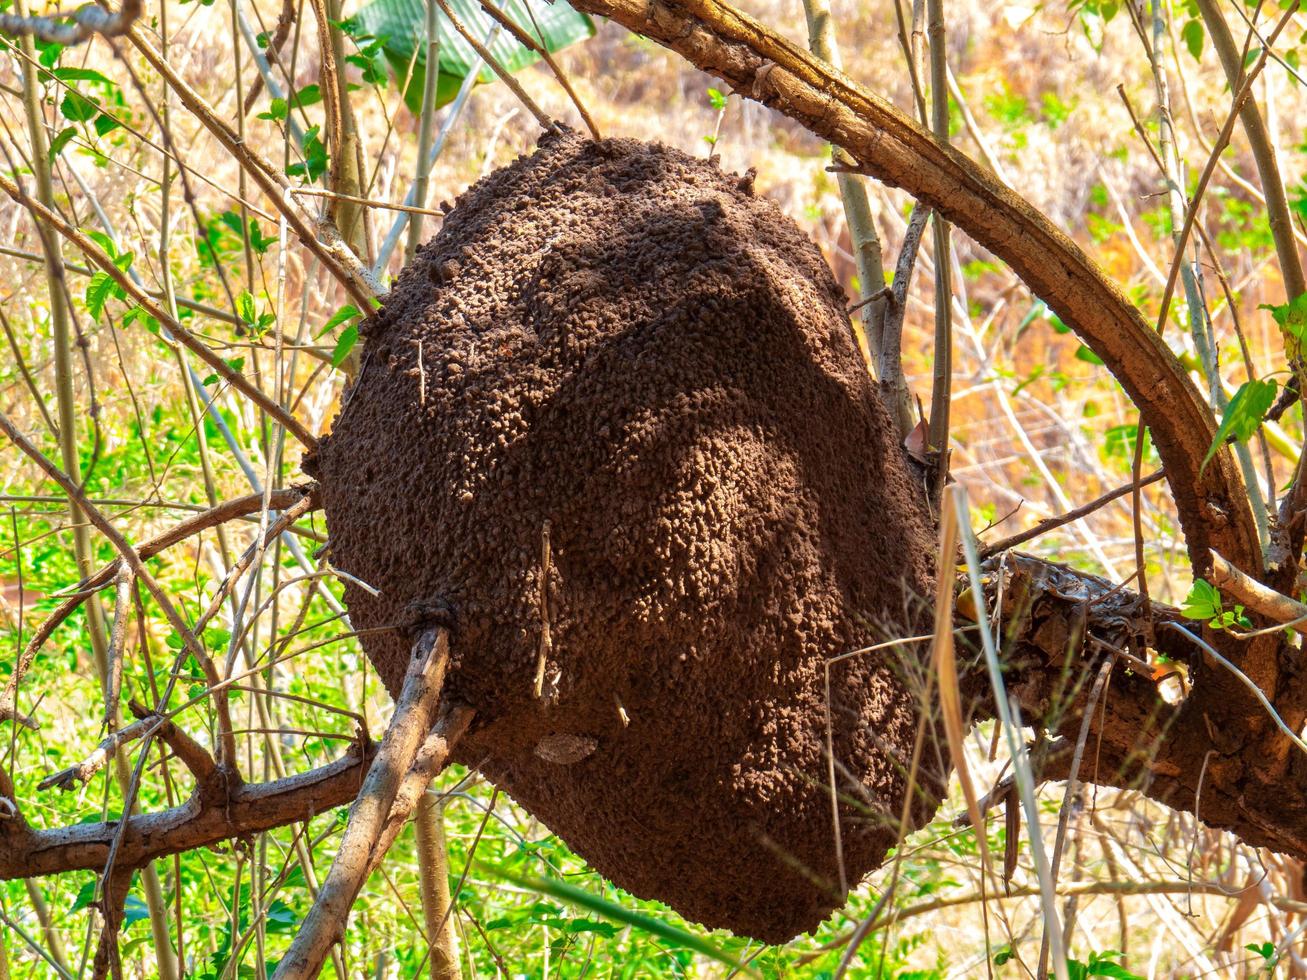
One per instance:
(622,341)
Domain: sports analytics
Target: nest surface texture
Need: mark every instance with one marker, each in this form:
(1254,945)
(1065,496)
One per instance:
(622,344)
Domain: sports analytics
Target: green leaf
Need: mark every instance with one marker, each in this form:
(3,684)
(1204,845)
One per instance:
(308,95)
(277,109)
(85,896)
(281,917)
(1265,950)
(1243,415)
(1192,32)
(400,25)
(82,75)
(78,108)
(611,910)
(1088,356)
(245,308)
(1202,602)
(98,291)
(134,910)
(345,313)
(1291,317)
(50,52)
(348,337)
(104,125)
(1103,968)
(60,141)
(315,157)
(104,241)
(139,314)
(717,99)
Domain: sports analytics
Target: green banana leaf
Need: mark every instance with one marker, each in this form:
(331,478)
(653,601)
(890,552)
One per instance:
(400,26)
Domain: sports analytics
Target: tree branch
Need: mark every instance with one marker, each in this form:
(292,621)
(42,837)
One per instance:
(199,822)
(715,37)
(85,22)
(361,848)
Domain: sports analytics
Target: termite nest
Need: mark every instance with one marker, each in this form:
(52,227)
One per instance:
(612,429)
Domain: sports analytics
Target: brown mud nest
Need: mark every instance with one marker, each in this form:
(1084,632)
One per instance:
(620,344)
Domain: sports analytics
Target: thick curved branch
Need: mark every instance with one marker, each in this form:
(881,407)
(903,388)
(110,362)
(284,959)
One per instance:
(888,145)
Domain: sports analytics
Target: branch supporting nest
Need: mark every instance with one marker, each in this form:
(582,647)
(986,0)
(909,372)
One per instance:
(885,143)
(415,748)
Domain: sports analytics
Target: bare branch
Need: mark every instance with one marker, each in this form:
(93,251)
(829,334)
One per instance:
(215,516)
(360,849)
(1275,606)
(74,27)
(227,745)
(192,754)
(245,809)
(75,775)
(1052,523)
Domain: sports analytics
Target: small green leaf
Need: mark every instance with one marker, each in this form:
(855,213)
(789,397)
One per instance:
(134,910)
(1088,356)
(78,108)
(315,157)
(98,291)
(104,241)
(717,99)
(277,109)
(345,313)
(1243,415)
(308,95)
(281,917)
(1192,32)
(138,314)
(60,141)
(1291,316)
(104,125)
(1202,602)
(348,337)
(50,52)
(82,75)
(85,896)
(245,308)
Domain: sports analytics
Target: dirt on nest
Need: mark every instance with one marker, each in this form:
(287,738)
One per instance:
(620,343)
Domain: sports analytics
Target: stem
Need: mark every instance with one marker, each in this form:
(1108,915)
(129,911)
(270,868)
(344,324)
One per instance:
(1263,151)
(433,873)
(426,131)
(70,456)
(943,370)
(853,193)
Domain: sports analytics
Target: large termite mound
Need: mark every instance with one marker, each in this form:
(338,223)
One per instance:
(620,343)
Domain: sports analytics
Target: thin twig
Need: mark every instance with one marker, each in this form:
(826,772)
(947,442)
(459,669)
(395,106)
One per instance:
(504,75)
(1053,523)
(526,40)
